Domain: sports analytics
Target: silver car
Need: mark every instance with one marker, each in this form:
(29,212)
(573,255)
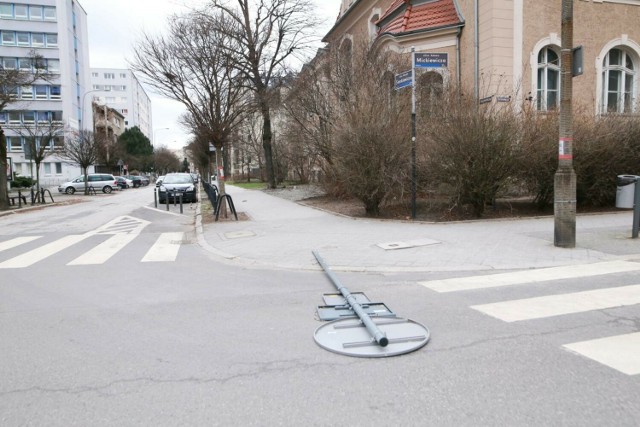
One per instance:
(98,181)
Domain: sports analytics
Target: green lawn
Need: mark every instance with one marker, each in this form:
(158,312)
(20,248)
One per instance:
(253,185)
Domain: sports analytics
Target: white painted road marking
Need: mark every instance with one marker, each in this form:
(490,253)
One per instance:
(29,258)
(165,249)
(530,276)
(16,242)
(556,305)
(621,352)
(104,250)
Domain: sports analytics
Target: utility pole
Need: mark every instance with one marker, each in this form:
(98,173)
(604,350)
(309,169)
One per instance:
(564,207)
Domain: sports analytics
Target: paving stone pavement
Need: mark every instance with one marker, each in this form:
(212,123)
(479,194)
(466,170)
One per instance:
(281,233)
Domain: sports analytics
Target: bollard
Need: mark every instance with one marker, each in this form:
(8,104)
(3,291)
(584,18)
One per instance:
(19,199)
(636,211)
(181,203)
(155,197)
(166,200)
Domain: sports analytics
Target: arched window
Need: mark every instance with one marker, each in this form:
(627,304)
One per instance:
(430,86)
(548,90)
(618,77)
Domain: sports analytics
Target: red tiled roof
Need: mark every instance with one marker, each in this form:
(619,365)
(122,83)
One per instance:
(436,14)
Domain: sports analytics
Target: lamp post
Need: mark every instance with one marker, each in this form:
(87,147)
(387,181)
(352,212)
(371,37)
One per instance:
(153,143)
(84,96)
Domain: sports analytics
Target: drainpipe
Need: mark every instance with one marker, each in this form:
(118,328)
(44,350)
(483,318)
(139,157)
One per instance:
(476,43)
(459,71)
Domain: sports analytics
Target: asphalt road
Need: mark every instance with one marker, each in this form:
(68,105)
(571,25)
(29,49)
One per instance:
(162,333)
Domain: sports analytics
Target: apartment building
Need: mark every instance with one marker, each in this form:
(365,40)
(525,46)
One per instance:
(507,51)
(57,31)
(120,89)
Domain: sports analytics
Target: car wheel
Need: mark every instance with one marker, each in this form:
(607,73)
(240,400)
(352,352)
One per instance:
(107,189)
(70,190)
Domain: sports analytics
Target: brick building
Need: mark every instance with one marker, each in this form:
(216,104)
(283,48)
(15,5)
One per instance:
(508,50)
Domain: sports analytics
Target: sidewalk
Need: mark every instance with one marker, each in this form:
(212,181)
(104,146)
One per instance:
(282,234)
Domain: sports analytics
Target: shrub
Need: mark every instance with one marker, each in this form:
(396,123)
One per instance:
(471,148)
(22,182)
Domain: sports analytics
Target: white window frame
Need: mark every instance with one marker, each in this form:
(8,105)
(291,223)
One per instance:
(23,34)
(50,41)
(55,96)
(53,70)
(40,95)
(49,13)
(21,6)
(8,8)
(8,38)
(26,92)
(633,49)
(14,62)
(36,13)
(543,86)
(39,37)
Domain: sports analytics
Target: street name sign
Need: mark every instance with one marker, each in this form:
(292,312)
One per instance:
(430,60)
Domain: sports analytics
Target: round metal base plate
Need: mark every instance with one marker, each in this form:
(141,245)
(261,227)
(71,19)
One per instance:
(351,338)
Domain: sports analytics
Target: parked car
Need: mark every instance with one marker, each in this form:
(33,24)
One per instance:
(123,182)
(137,181)
(175,184)
(159,180)
(145,180)
(99,181)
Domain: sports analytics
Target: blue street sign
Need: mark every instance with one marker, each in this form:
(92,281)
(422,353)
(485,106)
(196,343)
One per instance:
(404,79)
(430,60)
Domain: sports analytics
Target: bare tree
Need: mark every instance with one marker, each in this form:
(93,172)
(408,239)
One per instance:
(372,129)
(41,140)
(309,108)
(268,33)
(192,64)
(165,160)
(82,147)
(11,79)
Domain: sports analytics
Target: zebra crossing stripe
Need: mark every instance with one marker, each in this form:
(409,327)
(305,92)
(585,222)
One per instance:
(104,250)
(621,352)
(556,305)
(165,249)
(29,258)
(530,276)
(17,242)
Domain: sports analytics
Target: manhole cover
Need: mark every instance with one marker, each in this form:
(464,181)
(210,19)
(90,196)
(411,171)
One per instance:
(351,338)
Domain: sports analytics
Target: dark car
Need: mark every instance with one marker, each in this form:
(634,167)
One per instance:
(137,181)
(176,184)
(145,180)
(123,182)
(159,180)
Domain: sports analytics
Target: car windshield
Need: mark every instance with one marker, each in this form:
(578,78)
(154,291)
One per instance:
(177,179)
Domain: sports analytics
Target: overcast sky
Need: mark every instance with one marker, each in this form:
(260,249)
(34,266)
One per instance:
(114,27)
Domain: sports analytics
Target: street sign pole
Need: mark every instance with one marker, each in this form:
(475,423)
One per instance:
(413,133)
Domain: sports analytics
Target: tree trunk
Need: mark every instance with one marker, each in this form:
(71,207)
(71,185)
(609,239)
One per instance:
(266,145)
(4,196)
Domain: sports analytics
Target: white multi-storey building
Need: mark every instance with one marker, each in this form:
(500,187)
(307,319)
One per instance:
(120,89)
(57,31)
